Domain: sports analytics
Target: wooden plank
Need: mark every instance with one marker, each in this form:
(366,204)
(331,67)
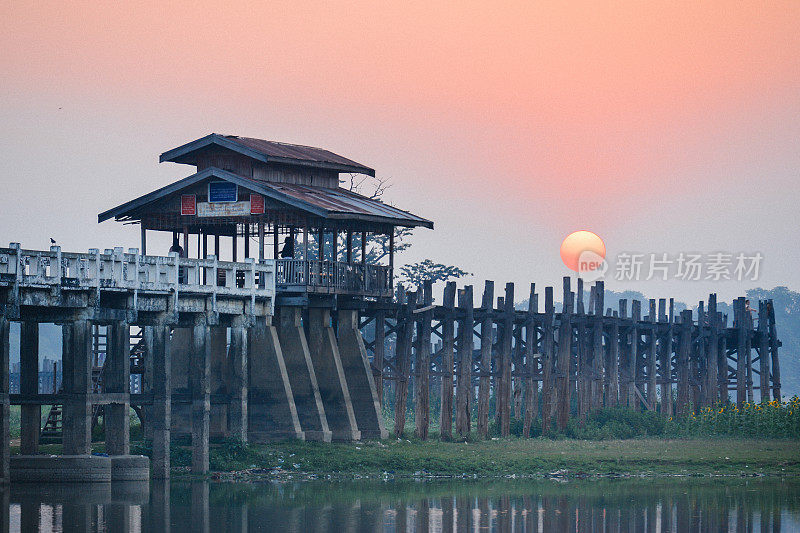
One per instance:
(464,382)
(484,382)
(448,344)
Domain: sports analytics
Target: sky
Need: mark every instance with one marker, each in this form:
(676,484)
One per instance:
(664,127)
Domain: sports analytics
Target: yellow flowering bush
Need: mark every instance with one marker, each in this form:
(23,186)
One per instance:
(773,419)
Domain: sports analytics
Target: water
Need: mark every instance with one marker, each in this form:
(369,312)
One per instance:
(651,505)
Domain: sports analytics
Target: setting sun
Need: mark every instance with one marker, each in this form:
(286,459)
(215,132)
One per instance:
(578,242)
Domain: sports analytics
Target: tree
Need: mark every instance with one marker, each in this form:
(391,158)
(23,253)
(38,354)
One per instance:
(415,273)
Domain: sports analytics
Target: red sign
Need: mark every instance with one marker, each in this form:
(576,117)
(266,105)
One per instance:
(188,204)
(256,204)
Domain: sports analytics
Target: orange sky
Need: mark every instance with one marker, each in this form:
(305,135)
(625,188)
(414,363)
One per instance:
(627,118)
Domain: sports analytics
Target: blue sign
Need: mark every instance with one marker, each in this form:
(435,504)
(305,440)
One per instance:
(222,191)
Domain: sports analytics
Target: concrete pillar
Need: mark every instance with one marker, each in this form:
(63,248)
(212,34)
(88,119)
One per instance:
(77,385)
(201,518)
(237,384)
(201,397)
(30,415)
(360,380)
(330,376)
(181,346)
(218,353)
(158,349)
(5,435)
(271,408)
(116,379)
(159,519)
(302,376)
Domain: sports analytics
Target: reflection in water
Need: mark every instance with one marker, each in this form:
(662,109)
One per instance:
(656,505)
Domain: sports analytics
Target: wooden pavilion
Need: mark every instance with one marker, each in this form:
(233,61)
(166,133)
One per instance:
(284,193)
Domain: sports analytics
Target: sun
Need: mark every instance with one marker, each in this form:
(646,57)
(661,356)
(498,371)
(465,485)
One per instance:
(578,242)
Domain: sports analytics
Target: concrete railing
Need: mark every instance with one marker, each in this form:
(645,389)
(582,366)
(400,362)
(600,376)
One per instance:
(116,270)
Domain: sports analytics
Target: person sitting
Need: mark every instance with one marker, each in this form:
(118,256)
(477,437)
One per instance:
(288,248)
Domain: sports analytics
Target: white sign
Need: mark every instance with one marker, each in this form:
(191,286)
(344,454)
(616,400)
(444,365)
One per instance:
(228,209)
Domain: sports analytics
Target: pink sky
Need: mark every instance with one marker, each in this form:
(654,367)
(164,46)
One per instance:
(663,129)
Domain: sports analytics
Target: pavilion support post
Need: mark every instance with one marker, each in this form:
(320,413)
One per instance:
(391,253)
(156,340)
(235,245)
(504,390)
(261,242)
(238,358)
(564,361)
(484,381)
(548,347)
(405,336)
(271,409)
(684,350)
(116,379)
(321,244)
(275,241)
(422,377)
(360,380)
(531,385)
(464,378)
(143,231)
(5,408)
(30,415)
(349,245)
(185,241)
(448,347)
(246,240)
(773,350)
(364,247)
(216,246)
(200,370)
(330,375)
(740,323)
(77,379)
(763,353)
(301,374)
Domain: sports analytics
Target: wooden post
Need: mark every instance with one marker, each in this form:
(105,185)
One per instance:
(422,380)
(486,360)
(260,242)
(547,361)
(712,389)
(564,362)
(652,341)
(144,239)
(5,408)
(666,359)
(379,351)
(235,245)
(504,390)
(773,350)
(684,349)
(583,382)
(740,324)
(626,362)
(448,344)
(391,252)
(634,369)
(531,385)
(405,336)
(246,240)
(364,247)
(612,364)
(464,383)
(722,360)
(748,321)
(763,353)
(275,241)
(598,357)
(349,245)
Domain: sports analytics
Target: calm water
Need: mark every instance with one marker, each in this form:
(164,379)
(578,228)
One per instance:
(506,505)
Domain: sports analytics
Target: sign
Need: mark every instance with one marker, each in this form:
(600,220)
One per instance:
(228,209)
(256,204)
(222,191)
(188,204)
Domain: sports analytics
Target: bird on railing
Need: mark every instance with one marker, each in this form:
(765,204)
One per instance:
(52,240)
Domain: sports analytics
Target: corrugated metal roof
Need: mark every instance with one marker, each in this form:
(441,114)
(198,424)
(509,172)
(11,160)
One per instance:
(341,202)
(294,151)
(268,152)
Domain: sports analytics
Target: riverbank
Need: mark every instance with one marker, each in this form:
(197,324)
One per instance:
(502,458)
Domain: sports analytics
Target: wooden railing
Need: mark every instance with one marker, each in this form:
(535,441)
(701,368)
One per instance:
(116,270)
(333,277)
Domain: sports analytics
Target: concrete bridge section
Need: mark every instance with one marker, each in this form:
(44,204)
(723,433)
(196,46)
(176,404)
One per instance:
(220,360)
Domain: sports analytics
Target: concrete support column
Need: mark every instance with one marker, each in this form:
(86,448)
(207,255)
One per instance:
(272,411)
(30,415)
(330,376)
(302,376)
(159,519)
(77,384)
(360,380)
(218,353)
(201,397)
(158,349)
(181,347)
(116,379)
(237,384)
(5,416)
